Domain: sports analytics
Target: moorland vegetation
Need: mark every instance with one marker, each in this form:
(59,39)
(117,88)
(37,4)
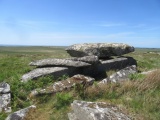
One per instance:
(140,97)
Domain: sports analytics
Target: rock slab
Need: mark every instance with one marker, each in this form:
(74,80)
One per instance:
(5,97)
(21,114)
(39,72)
(59,62)
(83,110)
(88,59)
(102,50)
(64,85)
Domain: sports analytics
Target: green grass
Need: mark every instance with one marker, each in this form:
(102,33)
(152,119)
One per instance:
(139,96)
(145,60)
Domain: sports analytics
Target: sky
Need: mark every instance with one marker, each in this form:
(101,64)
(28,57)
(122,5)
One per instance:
(67,22)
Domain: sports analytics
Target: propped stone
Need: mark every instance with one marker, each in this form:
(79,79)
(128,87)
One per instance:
(102,50)
(20,115)
(5,97)
(116,63)
(120,75)
(106,65)
(88,59)
(59,62)
(64,85)
(38,72)
(83,110)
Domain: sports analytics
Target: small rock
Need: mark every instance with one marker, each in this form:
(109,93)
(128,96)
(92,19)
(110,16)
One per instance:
(102,50)
(19,115)
(39,72)
(83,110)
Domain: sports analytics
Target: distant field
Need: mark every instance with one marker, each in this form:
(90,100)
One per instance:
(53,51)
(147,49)
(28,49)
(32,49)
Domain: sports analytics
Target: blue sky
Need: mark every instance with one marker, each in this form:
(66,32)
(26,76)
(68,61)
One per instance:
(67,22)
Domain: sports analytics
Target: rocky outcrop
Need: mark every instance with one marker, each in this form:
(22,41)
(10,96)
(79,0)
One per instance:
(83,110)
(102,50)
(21,114)
(64,85)
(59,62)
(120,75)
(88,61)
(39,72)
(5,97)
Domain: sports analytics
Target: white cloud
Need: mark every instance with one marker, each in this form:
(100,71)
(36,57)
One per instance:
(110,24)
(152,28)
(139,26)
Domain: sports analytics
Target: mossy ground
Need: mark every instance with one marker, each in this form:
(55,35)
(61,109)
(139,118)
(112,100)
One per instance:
(140,96)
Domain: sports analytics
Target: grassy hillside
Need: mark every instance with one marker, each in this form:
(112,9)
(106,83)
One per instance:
(139,97)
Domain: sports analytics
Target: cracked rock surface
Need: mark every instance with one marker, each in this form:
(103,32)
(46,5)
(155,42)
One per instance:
(121,75)
(83,110)
(5,97)
(102,50)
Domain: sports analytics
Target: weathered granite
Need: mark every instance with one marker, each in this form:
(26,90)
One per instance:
(88,59)
(4,88)
(120,75)
(64,85)
(59,62)
(102,50)
(38,72)
(83,110)
(5,102)
(5,97)
(20,115)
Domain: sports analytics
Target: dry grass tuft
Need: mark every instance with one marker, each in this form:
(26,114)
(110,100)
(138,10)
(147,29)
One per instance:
(152,81)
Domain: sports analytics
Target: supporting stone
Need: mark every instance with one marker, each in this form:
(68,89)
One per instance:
(99,70)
